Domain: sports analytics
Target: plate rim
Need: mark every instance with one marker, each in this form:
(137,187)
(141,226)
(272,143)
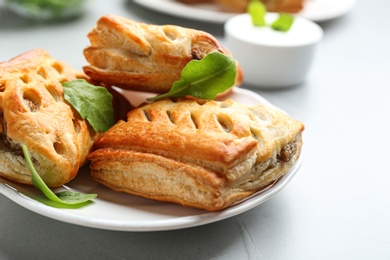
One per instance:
(174,223)
(173,8)
(148,225)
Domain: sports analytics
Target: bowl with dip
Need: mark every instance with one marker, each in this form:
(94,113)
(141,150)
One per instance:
(271,58)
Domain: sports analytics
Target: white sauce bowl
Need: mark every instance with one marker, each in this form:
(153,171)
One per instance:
(270,58)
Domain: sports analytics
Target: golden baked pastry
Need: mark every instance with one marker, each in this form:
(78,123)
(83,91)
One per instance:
(33,112)
(240,6)
(143,57)
(203,154)
(195,1)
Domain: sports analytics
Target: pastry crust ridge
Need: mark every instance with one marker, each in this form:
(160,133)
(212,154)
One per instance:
(207,155)
(144,57)
(33,112)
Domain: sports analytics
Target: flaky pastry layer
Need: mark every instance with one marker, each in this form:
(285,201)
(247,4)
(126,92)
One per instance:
(240,6)
(203,154)
(33,112)
(144,57)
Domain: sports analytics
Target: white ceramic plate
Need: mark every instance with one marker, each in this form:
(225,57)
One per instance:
(124,212)
(315,10)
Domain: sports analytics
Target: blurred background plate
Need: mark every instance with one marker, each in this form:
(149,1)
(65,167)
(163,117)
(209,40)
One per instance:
(315,10)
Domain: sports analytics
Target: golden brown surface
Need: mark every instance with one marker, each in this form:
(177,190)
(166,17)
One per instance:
(290,6)
(33,112)
(240,6)
(195,1)
(203,154)
(144,57)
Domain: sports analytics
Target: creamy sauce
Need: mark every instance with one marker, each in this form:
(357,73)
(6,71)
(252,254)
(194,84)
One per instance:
(301,32)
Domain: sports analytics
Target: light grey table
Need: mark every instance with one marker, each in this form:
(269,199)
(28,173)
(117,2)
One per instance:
(336,207)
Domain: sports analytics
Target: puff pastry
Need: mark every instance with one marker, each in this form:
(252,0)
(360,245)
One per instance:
(33,112)
(144,57)
(202,154)
(240,6)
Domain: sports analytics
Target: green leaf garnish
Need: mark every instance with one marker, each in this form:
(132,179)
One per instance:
(283,23)
(204,78)
(65,197)
(47,9)
(70,197)
(94,103)
(257,11)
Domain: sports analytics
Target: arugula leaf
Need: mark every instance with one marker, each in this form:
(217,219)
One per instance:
(257,11)
(283,23)
(65,197)
(204,78)
(74,197)
(94,103)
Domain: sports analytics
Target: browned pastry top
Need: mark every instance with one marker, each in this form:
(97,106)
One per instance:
(144,57)
(33,112)
(205,154)
(240,6)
